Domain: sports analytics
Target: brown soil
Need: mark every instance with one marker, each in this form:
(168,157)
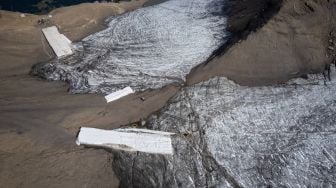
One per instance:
(291,44)
(39,119)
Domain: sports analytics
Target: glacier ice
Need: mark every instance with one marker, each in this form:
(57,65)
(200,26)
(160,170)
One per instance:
(147,48)
(233,136)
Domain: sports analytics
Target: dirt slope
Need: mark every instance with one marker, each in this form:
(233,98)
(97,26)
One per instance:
(39,119)
(293,43)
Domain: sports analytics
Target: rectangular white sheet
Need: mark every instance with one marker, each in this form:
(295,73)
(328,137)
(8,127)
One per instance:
(60,44)
(130,139)
(118,94)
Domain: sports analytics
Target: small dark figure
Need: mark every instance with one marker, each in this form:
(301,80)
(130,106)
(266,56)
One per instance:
(41,21)
(326,76)
(304,76)
(142,98)
(328,71)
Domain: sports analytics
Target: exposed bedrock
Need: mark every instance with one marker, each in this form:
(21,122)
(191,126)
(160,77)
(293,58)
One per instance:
(235,136)
(147,48)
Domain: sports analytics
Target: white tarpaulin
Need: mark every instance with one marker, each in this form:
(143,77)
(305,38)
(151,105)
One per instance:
(58,42)
(130,139)
(118,94)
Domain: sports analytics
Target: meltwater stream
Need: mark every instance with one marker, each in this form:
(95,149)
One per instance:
(147,48)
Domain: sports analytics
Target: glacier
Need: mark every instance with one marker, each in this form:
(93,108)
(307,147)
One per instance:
(145,49)
(234,136)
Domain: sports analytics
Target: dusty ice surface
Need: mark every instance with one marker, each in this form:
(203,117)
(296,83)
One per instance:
(234,136)
(146,48)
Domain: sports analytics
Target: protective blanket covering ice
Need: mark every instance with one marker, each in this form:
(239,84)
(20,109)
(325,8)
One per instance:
(234,136)
(147,48)
(129,139)
(118,94)
(60,44)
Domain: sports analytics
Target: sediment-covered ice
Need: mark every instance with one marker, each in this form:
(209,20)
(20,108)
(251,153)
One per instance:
(146,48)
(234,136)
